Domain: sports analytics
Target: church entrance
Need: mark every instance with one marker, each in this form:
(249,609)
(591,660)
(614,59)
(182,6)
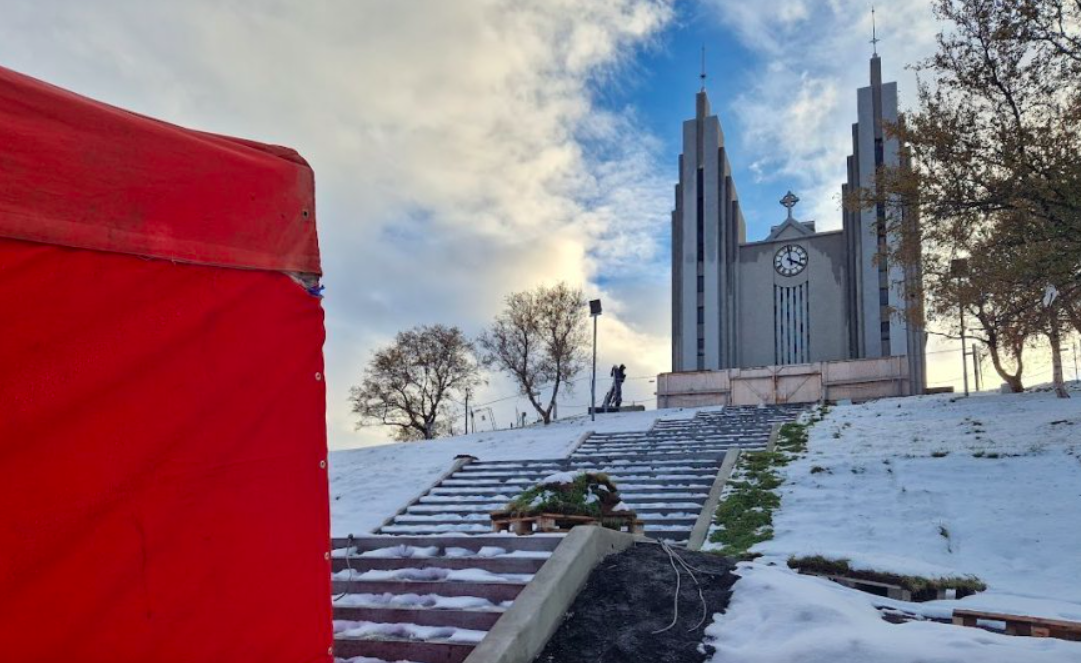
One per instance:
(777,384)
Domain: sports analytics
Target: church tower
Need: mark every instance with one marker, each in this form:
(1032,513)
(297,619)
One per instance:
(880,296)
(707,229)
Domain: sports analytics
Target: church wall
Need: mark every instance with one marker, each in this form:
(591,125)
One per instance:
(689,263)
(825,306)
(868,239)
(712,222)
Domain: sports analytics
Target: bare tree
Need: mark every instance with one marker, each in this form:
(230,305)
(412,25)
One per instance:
(408,384)
(539,340)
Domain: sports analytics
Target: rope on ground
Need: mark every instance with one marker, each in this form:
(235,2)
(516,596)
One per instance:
(349,547)
(675,616)
(674,557)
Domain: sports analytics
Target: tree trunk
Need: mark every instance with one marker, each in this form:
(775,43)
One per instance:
(1056,356)
(1012,380)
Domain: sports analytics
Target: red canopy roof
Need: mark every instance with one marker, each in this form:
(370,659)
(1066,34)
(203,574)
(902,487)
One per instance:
(79,173)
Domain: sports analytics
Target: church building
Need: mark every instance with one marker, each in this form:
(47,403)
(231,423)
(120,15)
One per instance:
(800,295)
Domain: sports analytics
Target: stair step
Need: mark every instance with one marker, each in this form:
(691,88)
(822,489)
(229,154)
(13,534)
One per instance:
(486,522)
(403,650)
(571,463)
(632,491)
(493,564)
(537,542)
(613,472)
(493,591)
(465,510)
(621,483)
(480,620)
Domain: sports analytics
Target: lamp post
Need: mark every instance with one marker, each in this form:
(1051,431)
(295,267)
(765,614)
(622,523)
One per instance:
(959,270)
(594,312)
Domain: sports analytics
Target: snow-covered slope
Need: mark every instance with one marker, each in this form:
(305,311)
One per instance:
(941,486)
(369,484)
(933,486)
(779,616)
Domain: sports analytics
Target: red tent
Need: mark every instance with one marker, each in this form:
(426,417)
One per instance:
(163,482)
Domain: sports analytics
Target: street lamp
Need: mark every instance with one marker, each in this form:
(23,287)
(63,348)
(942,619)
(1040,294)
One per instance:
(594,312)
(959,270)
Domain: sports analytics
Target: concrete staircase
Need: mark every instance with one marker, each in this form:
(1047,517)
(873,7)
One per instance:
(427,599)
(664,474)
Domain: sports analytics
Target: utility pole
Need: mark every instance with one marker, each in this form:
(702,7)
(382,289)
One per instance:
(467,412)
(976,368)
(1075,361)
(594,312)
(959,269)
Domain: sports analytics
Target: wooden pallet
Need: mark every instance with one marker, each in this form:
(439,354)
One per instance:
(503,521)
(1036,627)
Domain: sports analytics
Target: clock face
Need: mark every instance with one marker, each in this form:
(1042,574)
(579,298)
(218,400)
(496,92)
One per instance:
(790,260)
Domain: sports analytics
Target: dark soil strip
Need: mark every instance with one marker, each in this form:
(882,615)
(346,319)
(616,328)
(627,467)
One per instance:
(629,596)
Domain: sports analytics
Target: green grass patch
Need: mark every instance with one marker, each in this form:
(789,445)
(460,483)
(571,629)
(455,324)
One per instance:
(922,588)
(745,516)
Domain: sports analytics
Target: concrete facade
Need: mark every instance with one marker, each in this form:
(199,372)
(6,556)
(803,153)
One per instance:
(799,296)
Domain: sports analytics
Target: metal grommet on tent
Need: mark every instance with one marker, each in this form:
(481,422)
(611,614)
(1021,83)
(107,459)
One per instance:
(319,377)
(323,464)
(326,555)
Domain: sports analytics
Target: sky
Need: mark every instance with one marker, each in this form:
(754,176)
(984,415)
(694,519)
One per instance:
(467,149)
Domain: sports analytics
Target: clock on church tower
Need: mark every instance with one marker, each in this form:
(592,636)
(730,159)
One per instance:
(790,260)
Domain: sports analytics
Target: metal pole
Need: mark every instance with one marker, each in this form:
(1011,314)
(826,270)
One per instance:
(593,382)
(964,351)
(467,412)
(976,368)
(1075,362)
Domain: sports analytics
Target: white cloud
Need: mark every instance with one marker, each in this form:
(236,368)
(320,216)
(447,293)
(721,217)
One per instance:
(458,152)
(812,56)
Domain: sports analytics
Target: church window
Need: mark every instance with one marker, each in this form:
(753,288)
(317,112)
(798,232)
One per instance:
(884,297)
(791,324)
(701,315)
(701,283)
(700,220)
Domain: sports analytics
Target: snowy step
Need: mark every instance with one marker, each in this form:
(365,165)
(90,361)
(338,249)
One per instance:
(402,649)
(487,507)
(621,482)
(625,491)
(481,620)
(531,478)
(682,468)
(430,529)
(496,592)
(528,565)
(442,519)
(485,503)
(363,544)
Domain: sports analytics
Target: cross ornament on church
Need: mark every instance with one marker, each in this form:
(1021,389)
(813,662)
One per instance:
(789,201)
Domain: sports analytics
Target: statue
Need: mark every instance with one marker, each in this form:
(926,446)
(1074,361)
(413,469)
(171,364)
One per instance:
(615,395)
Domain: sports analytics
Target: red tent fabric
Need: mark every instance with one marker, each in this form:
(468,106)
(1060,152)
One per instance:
(163,482)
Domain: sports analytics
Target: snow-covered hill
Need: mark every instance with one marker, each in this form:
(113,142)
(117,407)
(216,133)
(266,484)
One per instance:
(933,486)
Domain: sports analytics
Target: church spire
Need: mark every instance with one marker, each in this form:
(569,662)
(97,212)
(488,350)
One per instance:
(874,33)
(703,74)
(701,101)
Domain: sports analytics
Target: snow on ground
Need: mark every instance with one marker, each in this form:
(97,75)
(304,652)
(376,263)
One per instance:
(371,483)
(938,486)
(778,616)
(934,486)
